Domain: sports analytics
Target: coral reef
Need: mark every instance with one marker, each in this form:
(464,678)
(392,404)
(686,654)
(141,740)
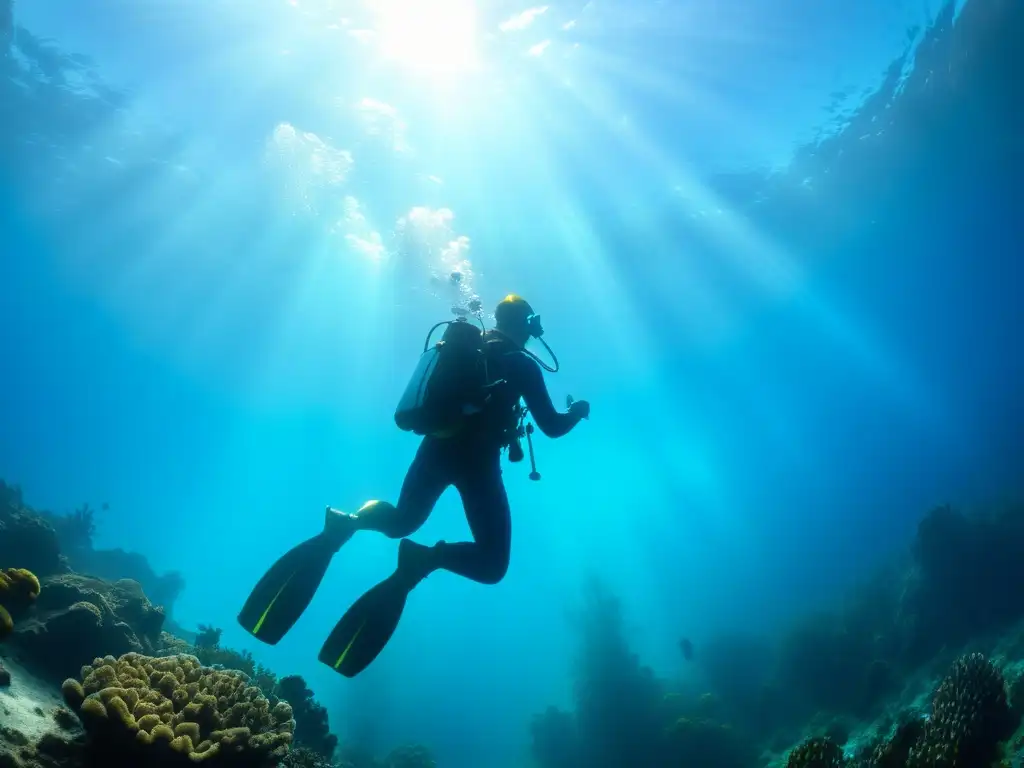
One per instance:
(111,564)
(6,623)
(69,619)
(208,637)
(208,650)
(894,751)
(960,586)
(78,618)
(140,710)
(311,728)
(707,739)
(623,714)
(817,752)
(304,757)
(409,756)
(75,532)
(737,667)
(857,651)
(311,723)
(48,544)
(616,697)
(970,716)
(835,669)
(171,645)
(25,537)
(19,588)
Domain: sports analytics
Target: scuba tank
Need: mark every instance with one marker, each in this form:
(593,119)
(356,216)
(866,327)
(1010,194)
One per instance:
(449,382)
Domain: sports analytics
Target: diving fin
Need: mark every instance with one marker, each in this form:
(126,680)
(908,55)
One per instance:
(280,597)
(361,634)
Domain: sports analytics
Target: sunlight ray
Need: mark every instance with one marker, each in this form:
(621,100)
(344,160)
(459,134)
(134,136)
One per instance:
(770,269)
(754,256)
(636,353)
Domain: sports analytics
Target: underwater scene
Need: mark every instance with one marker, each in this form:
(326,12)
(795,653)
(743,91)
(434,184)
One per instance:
(487,384)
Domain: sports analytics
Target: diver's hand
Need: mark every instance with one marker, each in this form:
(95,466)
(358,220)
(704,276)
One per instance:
(580,409)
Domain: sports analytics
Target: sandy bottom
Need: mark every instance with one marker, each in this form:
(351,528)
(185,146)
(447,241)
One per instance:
(27,706)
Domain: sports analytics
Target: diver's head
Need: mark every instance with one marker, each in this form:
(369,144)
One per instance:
(515,318)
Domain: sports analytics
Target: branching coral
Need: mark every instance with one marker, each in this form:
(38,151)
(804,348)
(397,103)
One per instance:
(208,650)
(817,752)
(208,637)
(76,529)
(171,711)
(970,716)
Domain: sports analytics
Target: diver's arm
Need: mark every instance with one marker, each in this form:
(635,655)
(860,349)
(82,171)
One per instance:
(535,392)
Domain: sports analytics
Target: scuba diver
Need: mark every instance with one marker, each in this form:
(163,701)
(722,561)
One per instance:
(465,400)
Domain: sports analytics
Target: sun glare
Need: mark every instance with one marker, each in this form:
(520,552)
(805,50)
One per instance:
(435,38)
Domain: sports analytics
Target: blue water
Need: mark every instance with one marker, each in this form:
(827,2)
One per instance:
(221,230)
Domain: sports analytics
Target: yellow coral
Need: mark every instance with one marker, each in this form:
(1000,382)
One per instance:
(6,623)
(175,708)
(19,585)
(73,693)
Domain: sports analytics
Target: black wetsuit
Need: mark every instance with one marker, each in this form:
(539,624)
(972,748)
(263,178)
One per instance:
(471,462)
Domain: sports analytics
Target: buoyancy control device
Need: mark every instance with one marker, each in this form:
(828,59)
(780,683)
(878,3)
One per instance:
(450,381)
(453,381)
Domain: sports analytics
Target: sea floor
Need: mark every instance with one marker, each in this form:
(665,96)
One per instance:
(28,709)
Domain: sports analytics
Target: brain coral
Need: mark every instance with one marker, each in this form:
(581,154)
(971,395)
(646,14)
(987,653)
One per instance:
(18,587)
(970,716)
(172,711)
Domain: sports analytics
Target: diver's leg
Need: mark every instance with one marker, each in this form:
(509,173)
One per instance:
(486,558)
(424,483)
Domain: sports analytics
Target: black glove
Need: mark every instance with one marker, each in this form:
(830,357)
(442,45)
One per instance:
(580,408)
